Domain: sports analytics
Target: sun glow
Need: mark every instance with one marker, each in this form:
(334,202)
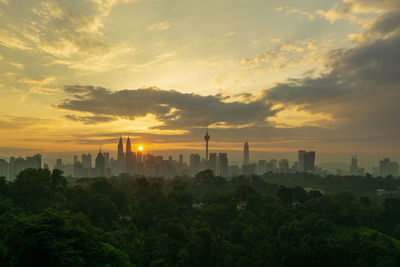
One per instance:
(140,148)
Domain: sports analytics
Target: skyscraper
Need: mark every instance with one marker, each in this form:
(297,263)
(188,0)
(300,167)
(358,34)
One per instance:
(309,161)
(306,161)
(300,164)
(195,162)
(100,166)
(130,165)
(212,163)
(207,138)
(246,157)
(121,157)
(387,167)
(223,164)
(180,161)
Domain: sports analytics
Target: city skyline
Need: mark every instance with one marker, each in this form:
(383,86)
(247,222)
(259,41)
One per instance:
(141,162)
(314,75)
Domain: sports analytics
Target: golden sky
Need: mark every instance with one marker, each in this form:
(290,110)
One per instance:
(282,75)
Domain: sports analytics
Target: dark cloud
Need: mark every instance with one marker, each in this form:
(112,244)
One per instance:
(90,119)
(387,23)
(174,109)
(361,91)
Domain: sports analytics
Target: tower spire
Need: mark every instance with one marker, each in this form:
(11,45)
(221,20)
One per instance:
(207,138)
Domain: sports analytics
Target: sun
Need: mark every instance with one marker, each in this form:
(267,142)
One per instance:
(140,148)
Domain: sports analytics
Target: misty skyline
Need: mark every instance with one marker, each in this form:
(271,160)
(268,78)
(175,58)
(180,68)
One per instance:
(281,75)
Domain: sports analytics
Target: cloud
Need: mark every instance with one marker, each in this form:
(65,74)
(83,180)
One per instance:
(159,26)
(40,81)
(71,33)
(383,27)
(20,122)
(307,52)
(8,39)
(174,110)
(350,9)
(91,120)
(360,92)
(291,47)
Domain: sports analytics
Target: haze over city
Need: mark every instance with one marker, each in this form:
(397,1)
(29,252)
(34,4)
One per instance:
(283,75)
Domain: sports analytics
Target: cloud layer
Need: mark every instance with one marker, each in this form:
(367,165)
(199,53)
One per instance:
(174,110)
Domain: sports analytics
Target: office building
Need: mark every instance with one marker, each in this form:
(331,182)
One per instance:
(222,168)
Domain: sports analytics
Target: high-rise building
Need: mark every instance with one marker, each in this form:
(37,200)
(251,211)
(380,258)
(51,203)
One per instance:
(100,165)
(309,161)
(87,161)
(222,168)
(121,156)
(284,166)
(246,156)
(207,138)
(212,162)
(387,167)
(272,166)
(249,168)
(300,163)
(195,163)
(354,169)
(34,162)
(130,165)
(4,168)
(180,161)
(106,158)
(306,161)
(139,157)
(262,167)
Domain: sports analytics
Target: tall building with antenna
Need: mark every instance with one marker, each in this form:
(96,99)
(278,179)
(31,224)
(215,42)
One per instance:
(207,138)
(121,156)
(246,156)
(130,158)
(100,167)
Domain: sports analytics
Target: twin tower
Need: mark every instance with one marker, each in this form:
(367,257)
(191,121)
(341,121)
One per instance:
(127,162)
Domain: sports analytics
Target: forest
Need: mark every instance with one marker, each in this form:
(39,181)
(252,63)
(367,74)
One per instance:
(270,220)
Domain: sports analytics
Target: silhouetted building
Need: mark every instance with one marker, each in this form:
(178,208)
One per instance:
(306,161)
(354,169)
(272,166)
(233,170)
(121,156)
(180,161)
(100,165)
(139,157)
(207,138)
(87,161)
(130,165)
(34,162)
(4,168)
(195,163)
(19,164)
(246,156)
(249,168)
(284,166)
(262,167)
(300,163)
(212,162)
(387,167)
(222,168)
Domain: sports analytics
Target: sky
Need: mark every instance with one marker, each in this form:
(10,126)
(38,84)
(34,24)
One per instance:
(282,75)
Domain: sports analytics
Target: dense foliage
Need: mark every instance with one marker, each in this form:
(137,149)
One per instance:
(46,220)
